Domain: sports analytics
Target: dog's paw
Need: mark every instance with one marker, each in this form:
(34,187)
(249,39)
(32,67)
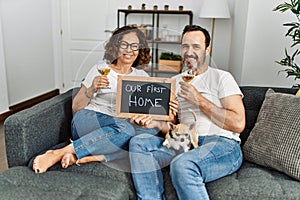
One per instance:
(186,149)
(166,143)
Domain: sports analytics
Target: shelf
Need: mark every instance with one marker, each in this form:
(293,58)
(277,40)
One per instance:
(187,12)
(163,42)
(154,12)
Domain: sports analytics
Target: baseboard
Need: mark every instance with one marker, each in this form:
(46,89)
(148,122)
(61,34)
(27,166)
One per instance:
(29,103)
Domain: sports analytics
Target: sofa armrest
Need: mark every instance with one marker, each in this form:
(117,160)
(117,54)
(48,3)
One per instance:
(36,129)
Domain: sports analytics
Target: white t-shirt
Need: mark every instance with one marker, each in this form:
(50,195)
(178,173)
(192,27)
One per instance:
(105,100)
(213,84)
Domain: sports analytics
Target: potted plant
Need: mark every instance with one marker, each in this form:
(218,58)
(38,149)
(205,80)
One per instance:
(168,61)
(289,61)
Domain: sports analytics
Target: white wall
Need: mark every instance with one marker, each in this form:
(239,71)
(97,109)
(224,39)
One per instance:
(258,41)
(28,48)
(3,82)
(239,28)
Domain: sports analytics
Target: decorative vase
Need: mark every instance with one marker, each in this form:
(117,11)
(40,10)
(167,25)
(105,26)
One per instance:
(143,6)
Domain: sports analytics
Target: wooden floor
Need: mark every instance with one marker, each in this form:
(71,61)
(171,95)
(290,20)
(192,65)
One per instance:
(3,162)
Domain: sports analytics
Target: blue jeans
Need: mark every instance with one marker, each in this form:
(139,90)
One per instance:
(95,133)
(216,157)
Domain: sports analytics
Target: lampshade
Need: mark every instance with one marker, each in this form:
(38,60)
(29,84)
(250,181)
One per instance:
(214,9)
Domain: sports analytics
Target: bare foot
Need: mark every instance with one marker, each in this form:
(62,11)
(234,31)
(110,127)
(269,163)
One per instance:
(42,162)
(68,159)
(87,159)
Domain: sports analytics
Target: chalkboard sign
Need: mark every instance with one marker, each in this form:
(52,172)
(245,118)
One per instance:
(139,95)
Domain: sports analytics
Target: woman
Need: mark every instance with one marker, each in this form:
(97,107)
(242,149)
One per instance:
(97,134)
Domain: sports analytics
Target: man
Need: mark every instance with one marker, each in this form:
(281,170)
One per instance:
(217,100)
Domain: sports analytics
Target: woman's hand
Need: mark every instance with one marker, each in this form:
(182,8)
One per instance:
(174,107)
(99,82)
(144,121)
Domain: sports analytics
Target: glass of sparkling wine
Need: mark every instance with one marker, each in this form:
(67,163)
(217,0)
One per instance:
(188,75)
(104,70)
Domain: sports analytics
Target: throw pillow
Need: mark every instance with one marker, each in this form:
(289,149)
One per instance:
(275,139)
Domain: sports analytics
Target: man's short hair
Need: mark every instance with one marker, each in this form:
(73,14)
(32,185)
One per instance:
(189,28)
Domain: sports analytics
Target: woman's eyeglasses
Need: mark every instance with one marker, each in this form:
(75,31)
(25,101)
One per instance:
(133,46)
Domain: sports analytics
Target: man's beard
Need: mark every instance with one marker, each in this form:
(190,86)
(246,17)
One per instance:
(188,64)
(198,62)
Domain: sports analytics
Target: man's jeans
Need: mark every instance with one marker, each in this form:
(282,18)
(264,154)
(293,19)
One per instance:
(216,157)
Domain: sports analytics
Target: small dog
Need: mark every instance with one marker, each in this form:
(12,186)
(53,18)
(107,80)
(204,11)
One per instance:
(182,135)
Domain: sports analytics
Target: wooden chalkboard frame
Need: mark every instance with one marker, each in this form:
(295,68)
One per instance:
(144,80)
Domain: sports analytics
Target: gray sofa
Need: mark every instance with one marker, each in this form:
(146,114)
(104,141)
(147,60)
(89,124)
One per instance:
(47,125)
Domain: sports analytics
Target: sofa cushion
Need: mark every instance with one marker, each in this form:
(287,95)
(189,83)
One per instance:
(252,181)
(23,183)
(275,139)
(253,99)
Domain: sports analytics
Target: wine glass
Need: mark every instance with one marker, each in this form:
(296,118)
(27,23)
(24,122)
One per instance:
(188,75)
(104,70)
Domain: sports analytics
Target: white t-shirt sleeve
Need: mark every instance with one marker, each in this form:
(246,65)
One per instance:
(228,86)
(88,80)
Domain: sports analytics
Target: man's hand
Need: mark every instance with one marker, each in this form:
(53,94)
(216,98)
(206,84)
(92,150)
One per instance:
(230,116)
(189,92)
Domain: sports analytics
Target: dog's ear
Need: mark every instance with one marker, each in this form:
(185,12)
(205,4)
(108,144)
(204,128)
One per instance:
(171,126)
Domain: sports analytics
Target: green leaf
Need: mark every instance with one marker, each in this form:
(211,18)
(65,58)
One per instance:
(169,56)
(283,7)
(294,24)
(291,67)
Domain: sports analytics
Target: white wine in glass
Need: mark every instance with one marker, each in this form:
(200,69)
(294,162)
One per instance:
(188,75)
(104,70)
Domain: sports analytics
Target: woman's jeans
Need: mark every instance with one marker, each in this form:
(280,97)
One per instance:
(214,158)
(95,133)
